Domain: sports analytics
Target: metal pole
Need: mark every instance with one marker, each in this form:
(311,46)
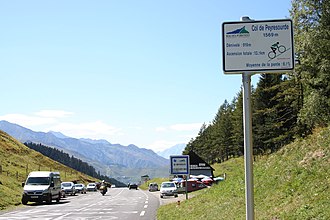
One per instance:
(248,148)
(187,187)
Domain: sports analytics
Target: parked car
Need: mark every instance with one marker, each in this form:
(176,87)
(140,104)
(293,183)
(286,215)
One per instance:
(42,186)
(207,181)
(168,189)
(69,188)
(218,179)
(132,186)
(91,187)
(192,184)
(153,187)
(80,188)
(62,193)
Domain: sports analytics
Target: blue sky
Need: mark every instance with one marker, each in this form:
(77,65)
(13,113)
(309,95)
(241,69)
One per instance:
(147,73)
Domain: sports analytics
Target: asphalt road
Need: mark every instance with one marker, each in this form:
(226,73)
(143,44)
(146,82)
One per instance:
(118,203)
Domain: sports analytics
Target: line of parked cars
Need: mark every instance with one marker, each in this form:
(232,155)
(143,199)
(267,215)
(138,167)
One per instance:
(46,186)
(179,185)
(72,188)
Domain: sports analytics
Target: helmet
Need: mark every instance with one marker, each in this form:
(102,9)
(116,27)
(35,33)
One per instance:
(102,181)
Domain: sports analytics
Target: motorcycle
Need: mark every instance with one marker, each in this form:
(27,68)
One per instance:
(103,190)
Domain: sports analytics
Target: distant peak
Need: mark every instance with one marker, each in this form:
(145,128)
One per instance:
(57,134)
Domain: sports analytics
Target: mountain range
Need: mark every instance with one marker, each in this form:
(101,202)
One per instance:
(175,150)
(124,163)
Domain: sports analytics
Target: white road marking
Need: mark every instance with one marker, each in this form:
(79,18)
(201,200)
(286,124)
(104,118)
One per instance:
(142,213)
(62,216)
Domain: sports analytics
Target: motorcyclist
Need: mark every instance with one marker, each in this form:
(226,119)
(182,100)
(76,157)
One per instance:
(103,187)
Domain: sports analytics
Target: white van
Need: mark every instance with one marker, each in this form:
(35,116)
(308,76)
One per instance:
(42,186)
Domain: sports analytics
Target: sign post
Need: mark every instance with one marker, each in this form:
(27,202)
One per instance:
(248,146)
(180,166)
(255,47)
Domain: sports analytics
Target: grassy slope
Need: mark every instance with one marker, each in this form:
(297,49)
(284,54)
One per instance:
(16,161)
(293,183)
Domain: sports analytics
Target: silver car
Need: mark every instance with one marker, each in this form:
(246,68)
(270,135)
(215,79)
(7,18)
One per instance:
(153,187)
(68,188)
(80,188)
(168,189)
(91,187)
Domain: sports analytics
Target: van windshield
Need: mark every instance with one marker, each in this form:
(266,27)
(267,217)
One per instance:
(38,181)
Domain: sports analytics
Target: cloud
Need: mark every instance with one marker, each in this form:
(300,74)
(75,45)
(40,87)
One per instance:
(182,133)
(53,113)
(93,130)
(160,129)
(50,120)
(43,117)
(61,121)
(27,120)
(161,145)
(136,127)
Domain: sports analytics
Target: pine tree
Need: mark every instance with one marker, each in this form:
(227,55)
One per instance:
(265,117)
(237,124)
(312,43)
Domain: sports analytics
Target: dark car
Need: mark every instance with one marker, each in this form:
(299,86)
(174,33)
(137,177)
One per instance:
(132,186)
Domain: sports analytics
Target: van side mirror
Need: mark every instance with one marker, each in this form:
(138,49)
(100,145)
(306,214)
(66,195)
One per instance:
(23,184)
(52,185)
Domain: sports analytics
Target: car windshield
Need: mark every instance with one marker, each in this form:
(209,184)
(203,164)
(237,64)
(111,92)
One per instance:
(38,181)
(91,184)
(79,185)
(167,185)
(66,184)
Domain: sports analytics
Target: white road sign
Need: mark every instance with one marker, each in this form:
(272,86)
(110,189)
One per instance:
(180,164)
(257,46)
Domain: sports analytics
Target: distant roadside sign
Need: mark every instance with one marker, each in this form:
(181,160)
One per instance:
(257,46)
(180,165)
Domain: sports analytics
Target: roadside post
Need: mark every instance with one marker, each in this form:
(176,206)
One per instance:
(180,165)
(250,47)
